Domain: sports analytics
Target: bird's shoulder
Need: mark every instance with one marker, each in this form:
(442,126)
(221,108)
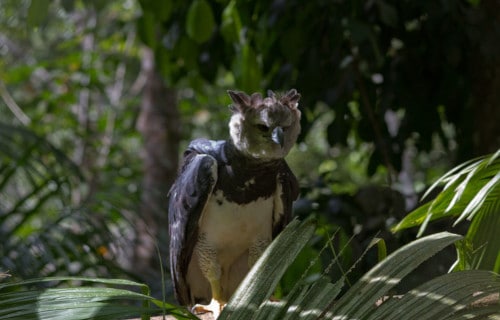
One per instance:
(213,148)
(206,146)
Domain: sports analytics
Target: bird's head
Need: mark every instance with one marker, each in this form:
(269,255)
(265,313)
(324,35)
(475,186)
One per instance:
(264,128)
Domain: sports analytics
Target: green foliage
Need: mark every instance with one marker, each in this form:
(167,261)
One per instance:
(42,232)
(69,174)
(69,180)
(442,298)
(471,191)
(446,297)
(200,21)
(340,53)
(81,302)
(37,13)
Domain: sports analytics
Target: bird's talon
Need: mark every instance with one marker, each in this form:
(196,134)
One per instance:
(214,307)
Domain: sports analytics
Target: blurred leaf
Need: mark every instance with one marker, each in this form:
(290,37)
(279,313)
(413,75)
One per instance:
(68,5)
(247,69)
(231,23)
(200,22)
(388,14)
(382,249)
(146,29)
(359,30)
(37,12)
(162,10)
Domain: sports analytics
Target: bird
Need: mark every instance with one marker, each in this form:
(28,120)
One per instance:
(231,198)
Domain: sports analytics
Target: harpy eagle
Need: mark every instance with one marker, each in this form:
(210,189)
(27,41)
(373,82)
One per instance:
(232,198)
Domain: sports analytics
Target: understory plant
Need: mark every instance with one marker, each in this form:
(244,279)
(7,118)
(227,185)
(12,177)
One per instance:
(470,191)
(450,296)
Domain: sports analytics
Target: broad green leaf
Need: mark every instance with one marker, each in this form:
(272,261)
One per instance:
(37,12)
(200,22)
(247,70)
(162,10)
(231,23)
(146,29)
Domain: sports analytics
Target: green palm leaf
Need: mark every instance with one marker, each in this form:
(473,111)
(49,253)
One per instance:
(471,192)
(441,298)
(82,302)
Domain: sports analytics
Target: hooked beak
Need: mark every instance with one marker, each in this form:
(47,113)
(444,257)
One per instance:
(277,136)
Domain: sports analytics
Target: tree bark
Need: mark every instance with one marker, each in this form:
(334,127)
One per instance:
(159,125)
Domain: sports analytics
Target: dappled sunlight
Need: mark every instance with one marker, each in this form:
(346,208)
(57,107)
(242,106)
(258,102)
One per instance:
(385,279)
(441,298)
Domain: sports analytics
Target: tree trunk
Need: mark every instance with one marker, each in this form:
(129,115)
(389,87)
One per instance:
(159,125)
(485,65)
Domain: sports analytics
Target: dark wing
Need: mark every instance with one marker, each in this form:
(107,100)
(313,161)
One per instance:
(187,199)
(289,193)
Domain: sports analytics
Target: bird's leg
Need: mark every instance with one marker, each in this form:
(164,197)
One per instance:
(211,269)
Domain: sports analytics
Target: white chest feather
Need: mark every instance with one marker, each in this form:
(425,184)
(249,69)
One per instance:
(232,228)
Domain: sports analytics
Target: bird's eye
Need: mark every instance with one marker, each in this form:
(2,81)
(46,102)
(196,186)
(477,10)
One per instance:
(263,127)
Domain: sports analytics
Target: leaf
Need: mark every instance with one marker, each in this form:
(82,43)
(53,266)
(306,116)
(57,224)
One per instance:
(162,10)
(80,302)
(146,29)
(440,297)
(467,188)
(475,204)
(262,279)
(231,23)
(388,14)
(361,298)
(247,70)
(200,22)
(480,249)
(37,12)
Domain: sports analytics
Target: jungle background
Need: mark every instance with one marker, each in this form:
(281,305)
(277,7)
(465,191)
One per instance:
(99,98)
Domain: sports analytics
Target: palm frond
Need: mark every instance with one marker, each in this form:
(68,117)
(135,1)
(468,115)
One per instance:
(42,232)
(440,298)
(471,192)
(82,302)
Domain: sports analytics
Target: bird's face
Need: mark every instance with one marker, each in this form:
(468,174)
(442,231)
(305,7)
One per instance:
(264,128)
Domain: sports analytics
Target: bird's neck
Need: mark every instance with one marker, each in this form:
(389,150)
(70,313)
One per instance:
(239,158)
